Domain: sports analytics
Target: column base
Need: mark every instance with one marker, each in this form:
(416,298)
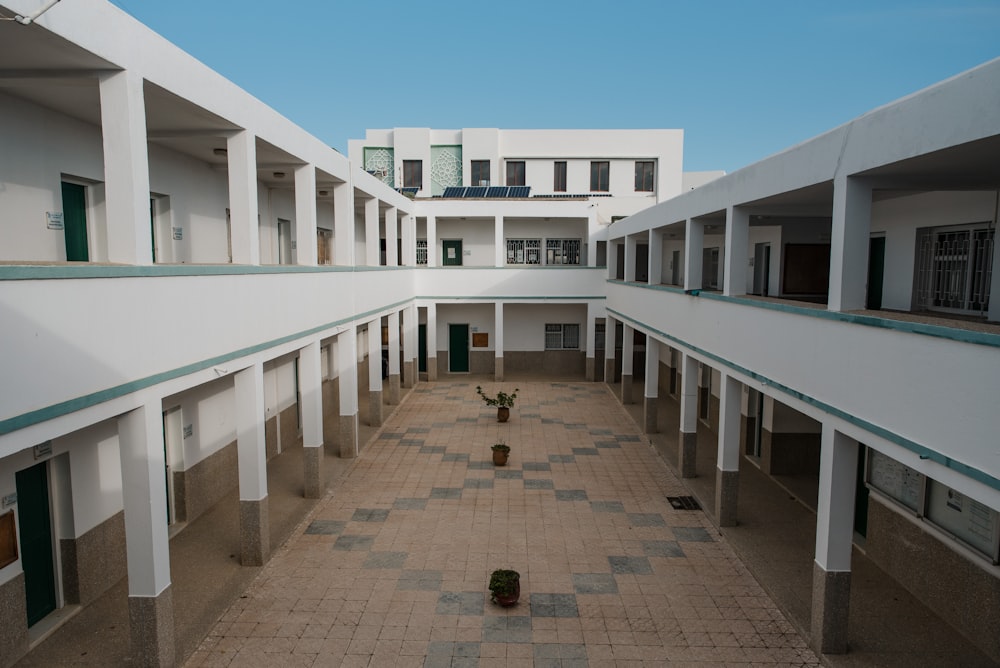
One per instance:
(831,596)
(375,408)
(151,624)
(686,454)
(649,414)
(408,374)
(432,368)
(349,436)
(498,369)
(727,488)
(393,388)
(312,469)
(609,371)
(626,388)
(591,371)
(255,533)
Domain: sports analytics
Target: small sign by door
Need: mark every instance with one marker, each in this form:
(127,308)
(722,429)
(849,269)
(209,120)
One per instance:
(54,220)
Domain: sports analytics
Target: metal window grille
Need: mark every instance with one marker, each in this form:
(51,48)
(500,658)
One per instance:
(524,251)
(562,251)
(954,269)
(562,336)
(421,251)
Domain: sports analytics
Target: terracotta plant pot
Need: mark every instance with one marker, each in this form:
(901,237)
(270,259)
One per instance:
(503,414)
(500,457)
(507,601)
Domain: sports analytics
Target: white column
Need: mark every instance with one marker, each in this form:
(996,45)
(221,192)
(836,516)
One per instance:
(431,244)
(305,215)
(311,396)
(393,322)
(410,346)
(252,465)
(126,168)
(612,259)
(655,256)
(244,226)
(609,349)
(652,385)
(499,246)
(687,449)
(409,240)
(498,341)
(391,235)
(432,344)
(630,257)
(375,413)
(849,242)
(591,335)
(347,363)
(594,232)
(694,245)
(728,459)
(734,273)
(628,349)
(372,234)
(343,224)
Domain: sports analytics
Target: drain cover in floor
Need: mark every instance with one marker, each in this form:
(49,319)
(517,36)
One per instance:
(683,503)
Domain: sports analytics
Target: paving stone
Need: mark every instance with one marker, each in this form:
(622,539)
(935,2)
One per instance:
(607,445)
(385,560)
(370,515)
(508,474)
(354,543)
(607,506)
(419,581)
(662,548)
(455,457)
(595,583)
(409,504)
(536,466)
(446,492)
(481,466)
(562,459)
(554,605)
(630,565)
(461,603)
(325,527)
(571,495)
(433,449)
(585,451)
(478,483)
(515,629)
(535,483)
(646,520)
(692,534)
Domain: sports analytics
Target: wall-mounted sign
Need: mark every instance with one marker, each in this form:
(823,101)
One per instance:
(43,450)
(10,500)
(177,233)
(466,253)
(54,220)
(188,430)
(481,340)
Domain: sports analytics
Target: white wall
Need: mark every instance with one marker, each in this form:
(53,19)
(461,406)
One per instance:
(524,324)
(479,317)
(477,240)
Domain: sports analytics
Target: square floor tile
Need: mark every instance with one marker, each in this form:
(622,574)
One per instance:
(574,425)
(607,506)
(446,492)
(481,466)
(554,605)
(662,548)
(562,459)
(507,629)
(461,603)
(325,527)
(418,430)
(571,495)
(354,543)
(389,436)
(409,504)
(595,583)
(419,581)
(628,438)
(630,565)
(432,449)
(411,442)
(531,483)
(600,432)
(547,650)
(455,457)
(585,451)
(385,560)
(508,474)
(607,445)
(646,520)
(692,534)
(536,466)
(478,483)
(370,515)
(530,415)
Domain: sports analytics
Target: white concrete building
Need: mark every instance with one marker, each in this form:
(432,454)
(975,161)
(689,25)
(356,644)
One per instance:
(191,284)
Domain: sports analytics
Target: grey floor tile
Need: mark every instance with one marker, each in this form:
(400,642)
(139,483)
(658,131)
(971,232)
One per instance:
(385,560)
(646,520)
(536,466)
(461,603)
(585,451)
(571,495)
(508,474)
(409,504)
(481,466)
(478,483)
(554,605)
(432,449)
(354,543)
(455,457)
(370,515)
(607,506)
(326,527)
(531,483)
(662,548)
(607,445)
(446,492)
(692,534)
(630,565)
(562,459)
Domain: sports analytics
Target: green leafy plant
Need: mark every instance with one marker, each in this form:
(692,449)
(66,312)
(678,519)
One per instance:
(504,582)
(500,447)
(501,400)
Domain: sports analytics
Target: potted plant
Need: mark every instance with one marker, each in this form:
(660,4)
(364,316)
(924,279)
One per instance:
(500,453)
(503,402)
(505,586)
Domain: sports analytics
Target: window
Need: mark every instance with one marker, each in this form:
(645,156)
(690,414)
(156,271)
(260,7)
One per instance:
(480,175)
(562,337)
(413,174)
(324,244)
(515,173)
(559,177)
(644,176)
(421,251)
(524,251)
(599,176)
(562,251)
(954,269)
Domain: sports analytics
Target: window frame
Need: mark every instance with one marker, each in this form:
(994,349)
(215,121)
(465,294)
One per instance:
(600,176)
(515,169)
(563,248)
(421,251)
(562,329)
(528,248)
(476,168)
(411,179)
(559,176)
(645,176)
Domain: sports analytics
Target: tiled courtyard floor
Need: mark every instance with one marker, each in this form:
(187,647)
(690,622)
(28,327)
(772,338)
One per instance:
(391,567)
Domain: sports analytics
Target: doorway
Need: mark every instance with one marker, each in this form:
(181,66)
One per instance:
(173,449)
(422,348)
(761,268)
(37,560)
(74,202)
(451,250)
(876,271)
(284,241)
(458,348)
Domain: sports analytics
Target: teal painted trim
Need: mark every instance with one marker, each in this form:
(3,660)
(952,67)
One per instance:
(519,267)
(920,450)
(63,408)
(924,329)
(481,298)
(51,272)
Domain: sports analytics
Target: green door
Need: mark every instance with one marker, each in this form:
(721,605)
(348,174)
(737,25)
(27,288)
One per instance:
(422,348)
(876,270)
(36,541)
(74,199)
(861,494)
(458,348)
(451,251)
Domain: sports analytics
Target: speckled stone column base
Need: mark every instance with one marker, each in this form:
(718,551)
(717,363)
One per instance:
(151,623)
(686,454)
(375,417)
(727,489)
(13,620)
(312,471)
(831,596)
(626,388)
(609,371)
(255,533)
(393,382)
(498,369)
(649,414)
(349,436)
(432,368)
(408,374)
(591,370)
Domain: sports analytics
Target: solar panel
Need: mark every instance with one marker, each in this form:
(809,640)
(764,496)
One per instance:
(454,191)
(409,191)
(476,191)
(519,191)
(497,191)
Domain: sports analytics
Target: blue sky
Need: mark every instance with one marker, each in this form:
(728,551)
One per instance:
(743,79)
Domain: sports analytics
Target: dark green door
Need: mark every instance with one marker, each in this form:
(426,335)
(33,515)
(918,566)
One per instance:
(422,348)
(876,270)
(458,348)
(861,494)
(36,541)
(74,199)
(451,250)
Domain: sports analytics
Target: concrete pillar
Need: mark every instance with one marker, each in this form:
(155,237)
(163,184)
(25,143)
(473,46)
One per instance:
(651,390)
(595,232)
(372,235)
(311,406)
(630,244)
(244,227)
(613,259)
(655,256)
(409,346)
(150,598)
(609,350)
(831,591)
(849,241)
(498,341)
(255,535)
(591,350)
(375,416)
(409,231)
(432,345)
(432,253)
(393,321)
(126,168)
(688,441)
(347,364)
(734,273)
(727,474)
(391,235)
(694,245)
(499,245)
(343,225)
(628,350)
(305,215)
